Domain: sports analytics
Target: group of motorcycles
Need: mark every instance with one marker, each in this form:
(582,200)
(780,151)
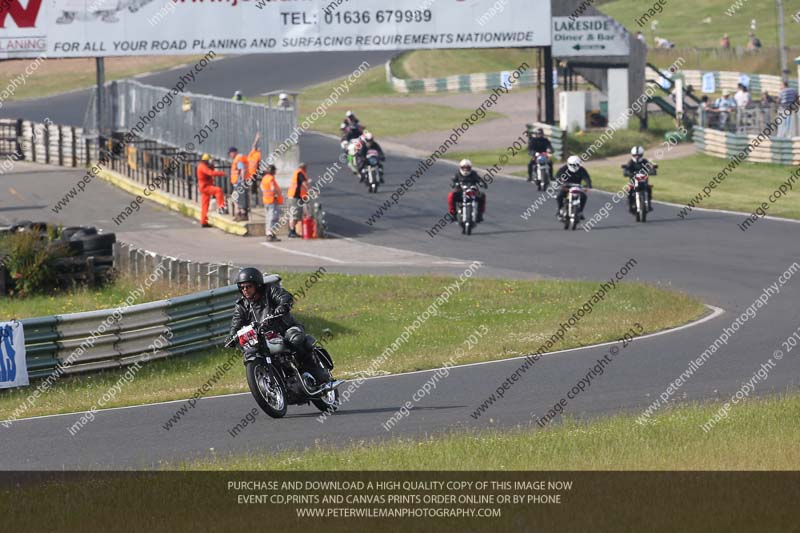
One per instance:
(571,214)
(371,173)
(275,376)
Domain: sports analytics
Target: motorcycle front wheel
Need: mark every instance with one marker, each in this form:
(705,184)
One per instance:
(267,388)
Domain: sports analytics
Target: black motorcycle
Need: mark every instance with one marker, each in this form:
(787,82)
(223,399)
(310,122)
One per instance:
(542,171)
(468,208)
(274,372)
(372,172)
(639,186)
(571,213)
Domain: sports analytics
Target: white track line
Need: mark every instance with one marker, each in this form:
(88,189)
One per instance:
(307,254)
(716,311)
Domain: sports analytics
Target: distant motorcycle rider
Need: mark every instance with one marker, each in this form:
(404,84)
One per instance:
(638,163)
(350,132)
(572,173)
(538,143)
(351,128)
(369,143)
(466,176)
(261,299)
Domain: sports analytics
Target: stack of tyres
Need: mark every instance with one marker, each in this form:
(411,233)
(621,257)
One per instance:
(85,242)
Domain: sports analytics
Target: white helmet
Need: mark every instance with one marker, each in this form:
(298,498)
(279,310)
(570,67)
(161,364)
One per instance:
(348,114)
(368,136)
(283,96)
(573,163)
(465,167)
(637,152)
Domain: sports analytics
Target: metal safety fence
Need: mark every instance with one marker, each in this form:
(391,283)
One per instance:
(208,123)
(110,338)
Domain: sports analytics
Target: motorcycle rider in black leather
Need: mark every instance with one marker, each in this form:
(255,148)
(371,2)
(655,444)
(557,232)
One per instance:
(369,143)
(638,163)
(261,299)
(539,143)
(467,176)
(572,173)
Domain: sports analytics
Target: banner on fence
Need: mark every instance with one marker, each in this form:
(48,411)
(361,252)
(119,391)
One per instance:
(88,28)
(13,369)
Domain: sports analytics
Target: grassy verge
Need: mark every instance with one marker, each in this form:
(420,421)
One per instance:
(765,61)
(82,299)
(59,75)
(679,180)
(761,434)
(577,143)
(673,23)
(439,63)
(381,118)
(366,314)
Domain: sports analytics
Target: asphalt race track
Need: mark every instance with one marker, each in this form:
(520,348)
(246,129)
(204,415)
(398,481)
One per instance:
(706,255)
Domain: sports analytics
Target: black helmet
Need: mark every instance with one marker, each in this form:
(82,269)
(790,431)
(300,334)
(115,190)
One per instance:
(250,275)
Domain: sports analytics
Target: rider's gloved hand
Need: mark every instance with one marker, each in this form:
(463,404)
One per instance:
(281,310)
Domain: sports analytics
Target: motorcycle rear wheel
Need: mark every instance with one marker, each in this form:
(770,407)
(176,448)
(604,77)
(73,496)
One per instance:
(329,402)
(267,388)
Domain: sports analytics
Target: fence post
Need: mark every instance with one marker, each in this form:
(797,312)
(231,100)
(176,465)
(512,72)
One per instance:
(223,272)
(194,275)
(173,273)
(60,147)
(47,145)
(183,273)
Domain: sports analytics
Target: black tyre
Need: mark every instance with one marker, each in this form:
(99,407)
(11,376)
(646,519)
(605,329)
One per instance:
(575,224)
(73,247)
(469,229)
(67,233)
(642,202)
(267,388)
(329,402)
(95,243)
(566,222)
(82,233)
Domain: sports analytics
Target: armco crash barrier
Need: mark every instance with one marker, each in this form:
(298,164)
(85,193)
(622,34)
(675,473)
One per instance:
(184,324)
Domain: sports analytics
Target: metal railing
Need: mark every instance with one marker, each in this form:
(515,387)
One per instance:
(110,338)
(750,120)
(128,104)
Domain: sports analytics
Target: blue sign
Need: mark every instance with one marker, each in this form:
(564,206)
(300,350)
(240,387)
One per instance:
(13,367)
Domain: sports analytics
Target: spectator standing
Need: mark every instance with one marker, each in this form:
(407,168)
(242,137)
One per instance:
(253,162)
(725,42)
(787,104)
(705,110)
(742,97)
(238,170)
(273,199)
(298,191)
(753,42)
(205,185)
(724,106)
(767,99)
